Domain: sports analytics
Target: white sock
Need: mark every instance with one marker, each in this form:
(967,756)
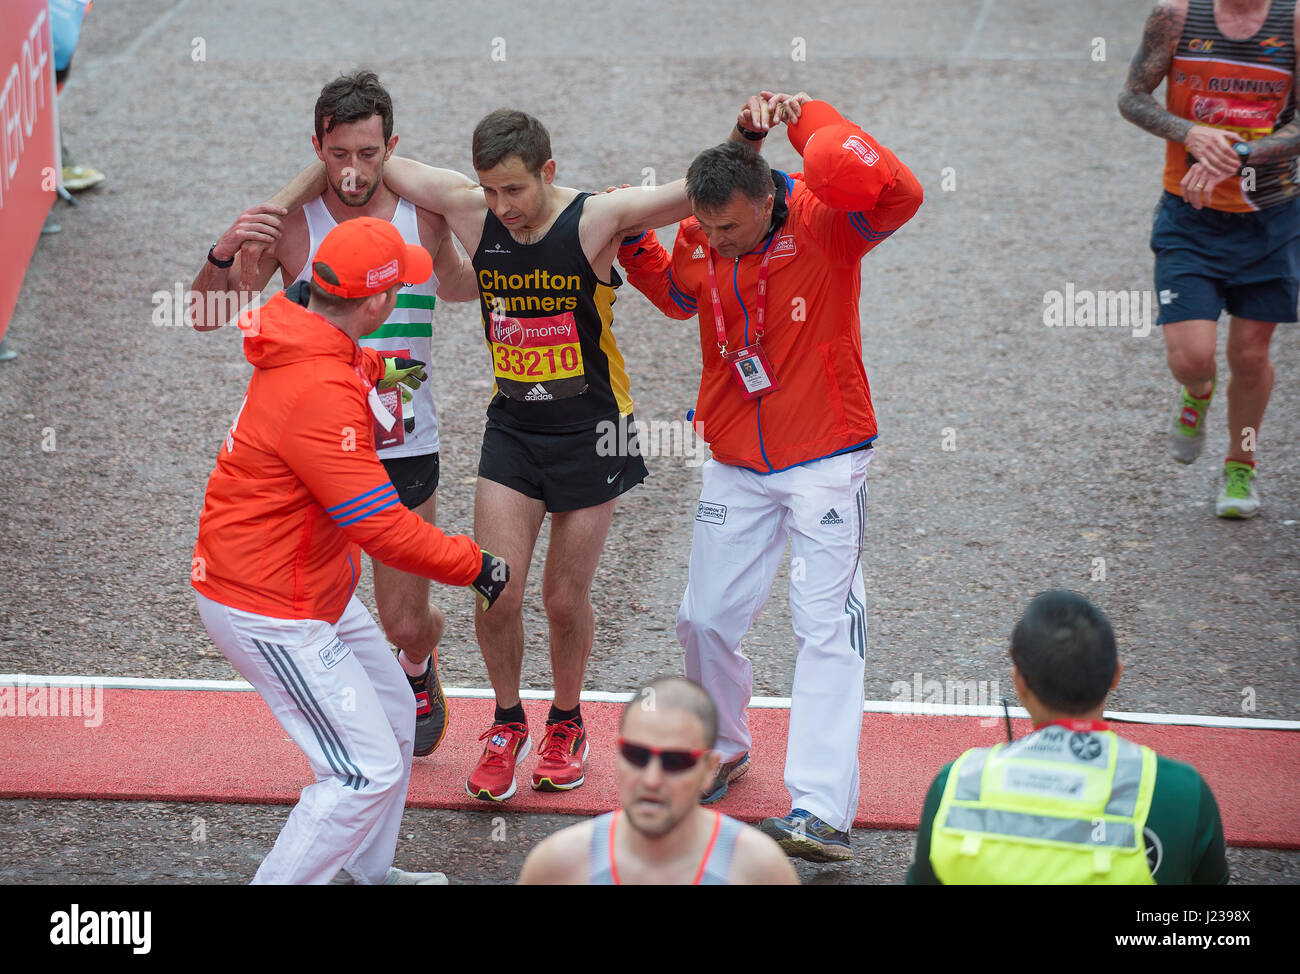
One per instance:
(412,669)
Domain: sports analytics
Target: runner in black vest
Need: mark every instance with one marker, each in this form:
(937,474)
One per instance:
(547,320)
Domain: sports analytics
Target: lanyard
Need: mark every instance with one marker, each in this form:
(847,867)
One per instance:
(1078,726)
(762,297)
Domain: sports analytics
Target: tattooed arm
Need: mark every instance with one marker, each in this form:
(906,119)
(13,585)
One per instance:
(1150,67)
(1285,142)
(1213,147)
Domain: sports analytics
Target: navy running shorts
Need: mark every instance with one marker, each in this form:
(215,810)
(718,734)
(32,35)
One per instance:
(1208,260)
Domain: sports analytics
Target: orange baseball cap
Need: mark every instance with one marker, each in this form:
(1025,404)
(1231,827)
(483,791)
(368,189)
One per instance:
(841,164)
(365,256)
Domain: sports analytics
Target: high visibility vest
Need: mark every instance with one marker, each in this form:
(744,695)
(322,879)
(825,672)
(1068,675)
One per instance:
(1058,806)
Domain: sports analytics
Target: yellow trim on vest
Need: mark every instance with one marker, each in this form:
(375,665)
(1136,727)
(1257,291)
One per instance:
(604,298)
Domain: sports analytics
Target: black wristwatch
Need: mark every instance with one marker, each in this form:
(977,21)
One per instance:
(1243,153)
(218,263)
(751,136)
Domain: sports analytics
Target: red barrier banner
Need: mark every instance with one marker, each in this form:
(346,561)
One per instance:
(28,140)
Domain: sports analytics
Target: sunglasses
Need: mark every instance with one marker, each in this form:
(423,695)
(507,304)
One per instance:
(673,762)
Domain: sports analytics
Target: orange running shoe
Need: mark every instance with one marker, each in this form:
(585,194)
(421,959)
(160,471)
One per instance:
(560,757)
(493,778)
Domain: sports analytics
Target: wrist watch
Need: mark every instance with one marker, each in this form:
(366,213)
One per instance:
(1243,153)
(751,136)
(212,259)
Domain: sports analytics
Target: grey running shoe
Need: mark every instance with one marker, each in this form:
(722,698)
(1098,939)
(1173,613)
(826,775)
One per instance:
(727,773)
(430,709)
(804,836)
(399,877)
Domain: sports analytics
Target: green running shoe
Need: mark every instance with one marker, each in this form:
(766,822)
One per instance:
(1238,497)
(1187,435)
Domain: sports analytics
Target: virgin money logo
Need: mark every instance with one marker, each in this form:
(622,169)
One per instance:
(508,331)
(1211,111)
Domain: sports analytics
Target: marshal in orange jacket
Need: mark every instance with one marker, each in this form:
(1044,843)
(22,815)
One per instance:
(812,334)
(298,490)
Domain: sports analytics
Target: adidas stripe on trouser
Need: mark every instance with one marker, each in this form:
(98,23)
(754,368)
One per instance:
(340,693)
(732,567)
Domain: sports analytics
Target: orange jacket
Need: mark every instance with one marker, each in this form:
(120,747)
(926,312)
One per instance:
(812,336)
(298,490)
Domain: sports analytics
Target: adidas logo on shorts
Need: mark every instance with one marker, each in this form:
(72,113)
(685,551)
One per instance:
(536,393)
(699,253)
(831,517)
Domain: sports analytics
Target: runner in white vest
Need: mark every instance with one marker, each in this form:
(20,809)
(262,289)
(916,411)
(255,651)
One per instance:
(408,333)
(354,138)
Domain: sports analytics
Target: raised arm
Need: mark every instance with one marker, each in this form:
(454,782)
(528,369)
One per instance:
(1150,66)
(455,273)
(254,255)
(860,191)
(626,212)
(224,290)
(442,191)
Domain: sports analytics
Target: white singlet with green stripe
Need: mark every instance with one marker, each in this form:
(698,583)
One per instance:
(408,332)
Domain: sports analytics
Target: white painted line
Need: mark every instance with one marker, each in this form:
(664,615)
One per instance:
(608,696)
(119,682)
(973,36)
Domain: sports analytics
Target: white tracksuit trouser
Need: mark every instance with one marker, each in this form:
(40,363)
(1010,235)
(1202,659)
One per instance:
(741,527)
(340,693)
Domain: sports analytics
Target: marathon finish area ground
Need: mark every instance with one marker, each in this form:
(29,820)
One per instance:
(1056,434)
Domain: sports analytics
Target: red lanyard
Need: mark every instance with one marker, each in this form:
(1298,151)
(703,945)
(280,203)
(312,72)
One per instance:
(1078,726)
(759,312)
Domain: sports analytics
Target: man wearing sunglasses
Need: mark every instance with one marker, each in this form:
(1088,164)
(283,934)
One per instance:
(661,835)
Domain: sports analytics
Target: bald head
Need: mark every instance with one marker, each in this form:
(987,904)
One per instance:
(676,693)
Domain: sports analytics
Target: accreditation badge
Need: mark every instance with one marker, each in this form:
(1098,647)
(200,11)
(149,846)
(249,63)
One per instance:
(752,371)
(386,407)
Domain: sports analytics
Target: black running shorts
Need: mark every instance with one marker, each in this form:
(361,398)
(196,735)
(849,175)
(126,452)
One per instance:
(569,471)
(416,478)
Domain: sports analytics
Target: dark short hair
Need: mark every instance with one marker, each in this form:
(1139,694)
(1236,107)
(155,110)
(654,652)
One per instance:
(353,98)
(1065,650)
(677,693)
(332,302)
(717,174)
(506,132)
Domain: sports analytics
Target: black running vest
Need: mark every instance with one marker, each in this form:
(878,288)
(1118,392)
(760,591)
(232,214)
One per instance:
(547,320)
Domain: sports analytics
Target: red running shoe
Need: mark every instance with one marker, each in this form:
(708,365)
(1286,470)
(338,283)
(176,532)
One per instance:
(493,778)
(560,757)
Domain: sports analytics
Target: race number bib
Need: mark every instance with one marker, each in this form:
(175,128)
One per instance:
(537,359)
